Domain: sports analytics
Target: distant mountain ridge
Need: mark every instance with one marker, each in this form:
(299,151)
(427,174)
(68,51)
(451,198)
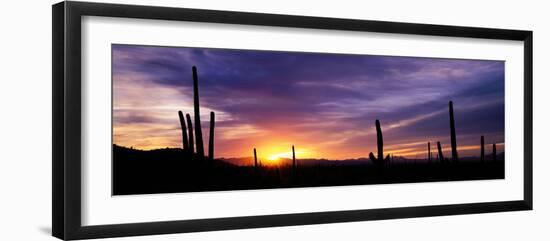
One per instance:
(247,161)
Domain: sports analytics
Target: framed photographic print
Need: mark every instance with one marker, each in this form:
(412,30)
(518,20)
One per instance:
(170,120)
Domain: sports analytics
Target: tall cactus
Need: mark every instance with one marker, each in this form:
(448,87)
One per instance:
(439,152)
(190,128)
(380,147)
(255,159)
(429,153)
(211,139)
(379,141)
(294,171)
(494,152)
(453,133)
(184,137)
(293,158)
(482,149)
(198,129)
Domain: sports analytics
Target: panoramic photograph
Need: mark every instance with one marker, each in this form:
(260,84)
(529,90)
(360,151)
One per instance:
(192,119)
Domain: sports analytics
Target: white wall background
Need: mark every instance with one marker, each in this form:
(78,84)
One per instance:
(25,119)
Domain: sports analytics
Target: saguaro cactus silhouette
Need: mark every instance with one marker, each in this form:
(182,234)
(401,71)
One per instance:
(439,152)
(294,170)
(255,159)
(380,147)
(453,132)
(198,129)
(293,158)
(482,149)
(190,128)
(429,153)
(211,139)
(494,152)
(184,137)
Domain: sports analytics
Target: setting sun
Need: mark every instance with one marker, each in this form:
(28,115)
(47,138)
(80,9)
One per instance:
(277,156)
(285,155)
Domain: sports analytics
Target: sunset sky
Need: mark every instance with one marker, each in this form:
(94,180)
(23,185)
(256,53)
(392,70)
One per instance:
(324,104)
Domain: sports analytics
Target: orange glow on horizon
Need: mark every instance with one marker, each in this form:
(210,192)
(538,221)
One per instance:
(272,154)
(285,155)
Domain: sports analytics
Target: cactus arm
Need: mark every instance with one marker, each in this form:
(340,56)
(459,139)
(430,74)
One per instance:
(184,138)
(190,128)
(373,158)
(439,152)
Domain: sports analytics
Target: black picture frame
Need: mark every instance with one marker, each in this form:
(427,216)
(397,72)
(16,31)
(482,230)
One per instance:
(66,128)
